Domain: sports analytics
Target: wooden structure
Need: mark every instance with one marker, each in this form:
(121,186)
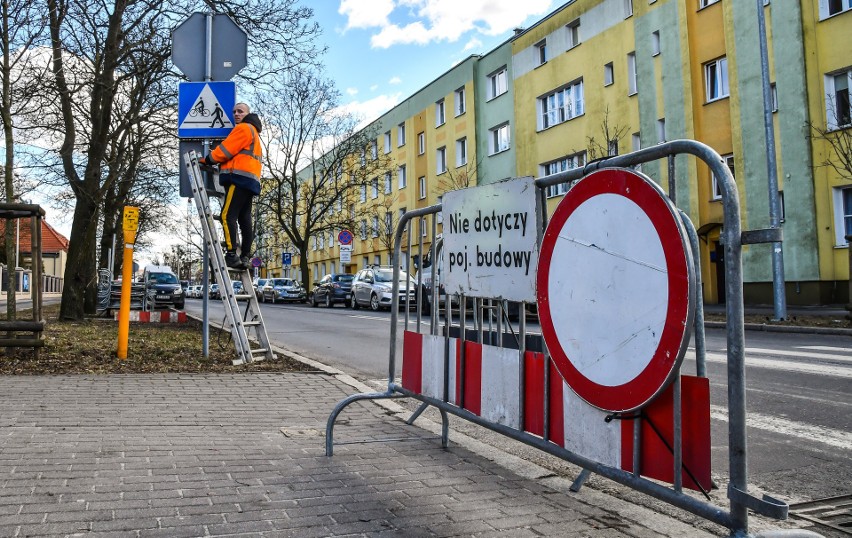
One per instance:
(27,333)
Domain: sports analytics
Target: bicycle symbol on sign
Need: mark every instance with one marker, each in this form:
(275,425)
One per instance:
(199,109)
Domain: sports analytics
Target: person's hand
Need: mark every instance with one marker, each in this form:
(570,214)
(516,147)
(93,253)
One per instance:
(205,165)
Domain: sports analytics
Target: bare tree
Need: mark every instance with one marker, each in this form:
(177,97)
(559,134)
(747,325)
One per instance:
(21,26)
(605,143)
(316,160)
(838,139)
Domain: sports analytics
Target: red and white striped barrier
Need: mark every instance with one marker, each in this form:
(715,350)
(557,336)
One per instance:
(162,316)
(490,388)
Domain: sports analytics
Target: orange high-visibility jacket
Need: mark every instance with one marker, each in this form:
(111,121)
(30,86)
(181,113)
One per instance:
(240,153)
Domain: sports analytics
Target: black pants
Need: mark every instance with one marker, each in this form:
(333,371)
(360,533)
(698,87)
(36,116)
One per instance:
(237,210)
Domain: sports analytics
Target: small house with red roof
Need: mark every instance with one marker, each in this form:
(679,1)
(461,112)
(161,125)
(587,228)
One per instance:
(54,247)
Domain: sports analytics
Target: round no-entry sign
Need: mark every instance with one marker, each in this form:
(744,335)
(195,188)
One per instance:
(344,237)
(615,289)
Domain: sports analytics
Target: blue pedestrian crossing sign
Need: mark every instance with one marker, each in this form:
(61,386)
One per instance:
(205,109)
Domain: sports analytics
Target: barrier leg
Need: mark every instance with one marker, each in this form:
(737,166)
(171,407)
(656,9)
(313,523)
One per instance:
(445,429)
(417,413)
(580,480)
(329,427)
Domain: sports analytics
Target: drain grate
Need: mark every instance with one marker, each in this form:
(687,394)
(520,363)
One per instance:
(833,512)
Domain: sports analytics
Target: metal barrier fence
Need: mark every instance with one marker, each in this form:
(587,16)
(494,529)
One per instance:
(532,413)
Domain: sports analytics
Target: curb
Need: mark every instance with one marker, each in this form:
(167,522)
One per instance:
(835,331)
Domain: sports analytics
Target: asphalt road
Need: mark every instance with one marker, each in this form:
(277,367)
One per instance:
(799,391)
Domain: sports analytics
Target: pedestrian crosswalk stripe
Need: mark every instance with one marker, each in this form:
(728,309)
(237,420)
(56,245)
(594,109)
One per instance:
(820,434)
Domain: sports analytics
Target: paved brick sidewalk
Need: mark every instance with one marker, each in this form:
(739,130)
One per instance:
(205,455)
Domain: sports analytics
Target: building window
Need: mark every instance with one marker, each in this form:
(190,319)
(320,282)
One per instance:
(498,83)
(375,229)
(661,130)
(609,75)
(440,113)
(363,229)
(773,92)
(460,104)
(421,143)
(374,150)
(388,182)
(330,239)
(561,105)
(401,177)
(461,151)
(838,105)
(612,148)
(400,134)
(560,165)
(636,145)
(498,139)
(628,8)
(365,262)
(828,8)
(388,223)
(716,79)
(441,160)
(655,43)
(842,215)
(423,222)
(421,186)
(573,28)
(704,3)
(374,188)
(717,187)
(631,73)
(541,50)
(363,196)
(321,241)
(387,142)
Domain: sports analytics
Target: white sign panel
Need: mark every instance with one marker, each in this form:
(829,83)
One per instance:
(346,253)
(490,240)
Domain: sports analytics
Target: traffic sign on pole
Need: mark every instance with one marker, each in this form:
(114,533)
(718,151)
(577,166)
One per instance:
(616,289)
(204,109)
(344,237)
(229,47)
(286,258)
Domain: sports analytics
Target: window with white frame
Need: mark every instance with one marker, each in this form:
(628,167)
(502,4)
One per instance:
(388,223)
(374,150)
(330,239)
(661,130)
(636,145)
(375,230)
(363,157)
(628,8)
(573,28)
(440,113)
(388,182)
(387,142)
(498,83)
(842,215)
(562,105)
(423,226)
(716,79)
(441,160)
(339,205)
(632,88)
(461,152)
(421,187)
(400,134)
(363,229)
(461,106)
(316,272)
(829,8)
(560,165)
(541,51)
(609,74)
(401,177)
(374,188)
(421,143)
(498,139)
(655,43)
(838,105)
(315,243)
(773,92)
(363,196)
(717,187)
(321,241)
(705,3)
(612,148)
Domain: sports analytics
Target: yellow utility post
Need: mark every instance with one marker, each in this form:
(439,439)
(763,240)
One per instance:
(130,224)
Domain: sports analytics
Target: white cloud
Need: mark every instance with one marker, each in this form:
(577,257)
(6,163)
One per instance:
(473,44)
(371,109)
(366,13)
(374,87)
(424,21)
(395,80)
(351,91)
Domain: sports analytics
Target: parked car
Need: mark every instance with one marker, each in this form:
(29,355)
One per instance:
(331,289)
(283,289)
(258,284)
(373,287)
(163,290)
(213,292)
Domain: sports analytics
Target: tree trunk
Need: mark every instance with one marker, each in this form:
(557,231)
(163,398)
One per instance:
(79,295)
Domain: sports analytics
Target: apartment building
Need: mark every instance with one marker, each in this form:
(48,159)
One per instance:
(604,77)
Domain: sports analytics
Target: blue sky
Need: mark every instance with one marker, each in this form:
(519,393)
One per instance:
(382,51)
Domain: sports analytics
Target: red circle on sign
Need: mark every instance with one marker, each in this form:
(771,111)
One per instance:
(589,221)
(345,237)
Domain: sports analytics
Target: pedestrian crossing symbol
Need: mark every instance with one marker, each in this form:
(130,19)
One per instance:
(204,109)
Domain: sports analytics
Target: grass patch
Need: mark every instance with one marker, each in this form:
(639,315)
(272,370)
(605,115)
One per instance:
(89,347)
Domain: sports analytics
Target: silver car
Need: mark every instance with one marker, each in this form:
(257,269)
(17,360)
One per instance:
(283,289)
(373,287)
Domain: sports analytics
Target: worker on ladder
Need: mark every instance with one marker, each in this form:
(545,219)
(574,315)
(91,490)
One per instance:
(239,159)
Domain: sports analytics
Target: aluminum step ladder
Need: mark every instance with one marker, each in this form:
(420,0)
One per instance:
(238,324)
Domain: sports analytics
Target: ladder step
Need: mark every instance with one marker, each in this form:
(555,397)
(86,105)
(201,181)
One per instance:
(251,323)
(242,296)
(259,351)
